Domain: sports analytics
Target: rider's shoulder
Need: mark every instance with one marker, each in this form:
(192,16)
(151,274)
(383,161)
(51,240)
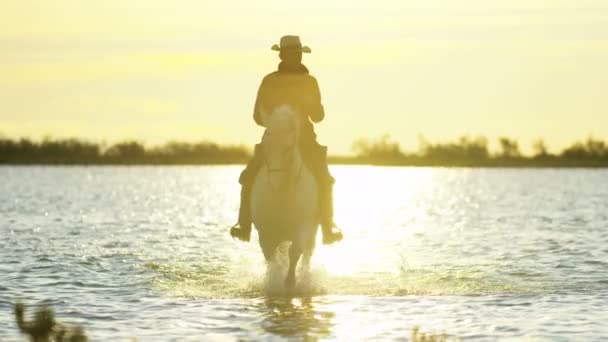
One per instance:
(271,75)
(310,77)
(276,74)
(269,78)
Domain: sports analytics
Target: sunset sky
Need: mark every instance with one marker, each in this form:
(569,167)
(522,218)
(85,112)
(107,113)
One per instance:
(189,69)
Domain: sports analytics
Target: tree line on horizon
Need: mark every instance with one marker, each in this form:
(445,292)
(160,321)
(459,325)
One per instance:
(465,151)
(474,151)
(76,151)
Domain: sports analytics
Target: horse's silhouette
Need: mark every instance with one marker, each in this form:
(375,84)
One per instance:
(285,199)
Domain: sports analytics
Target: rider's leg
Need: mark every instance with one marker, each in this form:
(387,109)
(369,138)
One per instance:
(242,230)
(318,161)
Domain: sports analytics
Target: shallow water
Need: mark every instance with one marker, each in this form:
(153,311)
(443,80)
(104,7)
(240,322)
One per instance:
(482,254)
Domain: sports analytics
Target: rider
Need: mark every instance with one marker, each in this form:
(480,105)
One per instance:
(291,84)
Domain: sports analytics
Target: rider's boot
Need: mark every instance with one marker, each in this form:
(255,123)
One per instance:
(331,233)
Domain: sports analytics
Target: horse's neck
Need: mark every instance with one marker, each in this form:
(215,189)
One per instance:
(280,143)
(281,149)
(284,171)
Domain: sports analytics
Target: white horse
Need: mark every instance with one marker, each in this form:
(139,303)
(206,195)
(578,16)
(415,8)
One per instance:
(284,197)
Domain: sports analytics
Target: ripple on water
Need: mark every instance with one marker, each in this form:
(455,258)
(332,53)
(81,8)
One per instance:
(491,254)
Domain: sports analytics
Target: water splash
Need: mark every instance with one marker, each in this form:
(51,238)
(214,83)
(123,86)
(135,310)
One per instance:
(183,280)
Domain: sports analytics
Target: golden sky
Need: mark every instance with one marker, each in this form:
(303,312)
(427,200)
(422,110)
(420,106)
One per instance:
(189,69)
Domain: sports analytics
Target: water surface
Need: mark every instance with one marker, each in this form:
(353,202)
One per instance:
(483,254)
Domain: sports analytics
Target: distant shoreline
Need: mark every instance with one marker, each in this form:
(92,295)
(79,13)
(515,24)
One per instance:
(465,152)
(520,162)
(355,161)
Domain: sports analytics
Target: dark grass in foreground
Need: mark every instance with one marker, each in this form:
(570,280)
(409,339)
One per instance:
(466,151)
(419,336)
(44,328)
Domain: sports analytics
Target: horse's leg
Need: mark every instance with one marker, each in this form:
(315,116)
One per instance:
(268,245)
(306,256)
(295,251)
(309,248)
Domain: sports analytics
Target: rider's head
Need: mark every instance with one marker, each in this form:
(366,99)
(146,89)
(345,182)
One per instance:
(291,56)
(291,49)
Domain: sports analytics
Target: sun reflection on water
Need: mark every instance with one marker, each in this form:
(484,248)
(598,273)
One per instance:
(371,212)
(406,232)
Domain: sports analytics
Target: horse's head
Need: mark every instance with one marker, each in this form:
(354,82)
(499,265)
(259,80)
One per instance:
(280,141)
(282,120)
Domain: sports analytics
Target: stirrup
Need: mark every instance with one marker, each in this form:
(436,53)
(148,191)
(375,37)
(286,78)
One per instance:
(240,233)
(334,235)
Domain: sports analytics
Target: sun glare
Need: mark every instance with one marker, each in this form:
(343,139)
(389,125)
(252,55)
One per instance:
(362,210)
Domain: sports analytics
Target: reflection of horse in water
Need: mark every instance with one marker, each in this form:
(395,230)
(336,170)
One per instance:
(296,317)
(284,197)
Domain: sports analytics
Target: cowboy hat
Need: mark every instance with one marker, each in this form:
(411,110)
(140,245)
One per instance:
(290,43)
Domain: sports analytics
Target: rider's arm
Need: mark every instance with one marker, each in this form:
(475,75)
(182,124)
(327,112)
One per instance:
(316,110)
(257,115)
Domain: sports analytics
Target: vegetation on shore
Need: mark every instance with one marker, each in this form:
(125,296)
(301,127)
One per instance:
(75,151)
(466,151)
